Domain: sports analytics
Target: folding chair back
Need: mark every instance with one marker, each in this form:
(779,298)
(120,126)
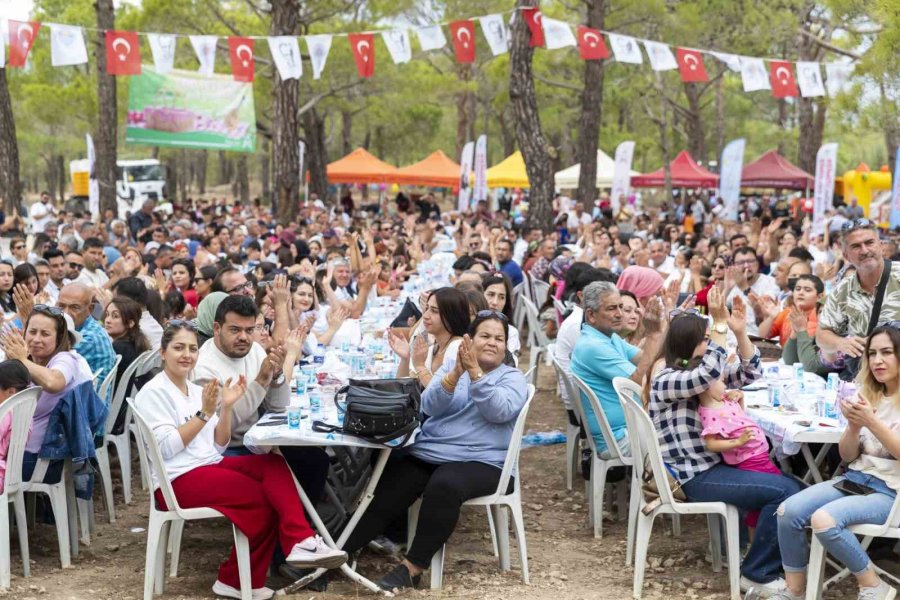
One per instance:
(146,437)
(612,444)
(121,387)
(109,382)
(536,332)
(22,407)
(511,463)
(645,449)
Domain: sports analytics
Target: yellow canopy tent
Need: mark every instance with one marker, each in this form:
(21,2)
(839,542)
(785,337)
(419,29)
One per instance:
(509,173)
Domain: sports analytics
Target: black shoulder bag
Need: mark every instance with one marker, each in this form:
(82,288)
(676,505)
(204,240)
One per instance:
(377,410)
(851,365)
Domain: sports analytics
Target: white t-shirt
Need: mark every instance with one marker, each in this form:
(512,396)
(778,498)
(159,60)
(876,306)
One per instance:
(96,278)
(566,337)
(875,458)
(349,332)
(764,286)
(574,220)
(165,408)
(40,214)
(151,328)
(667,266)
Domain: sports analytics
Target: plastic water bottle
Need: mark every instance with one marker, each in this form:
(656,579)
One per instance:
(319,355)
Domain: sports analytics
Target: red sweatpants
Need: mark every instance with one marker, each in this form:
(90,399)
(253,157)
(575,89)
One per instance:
(257,494)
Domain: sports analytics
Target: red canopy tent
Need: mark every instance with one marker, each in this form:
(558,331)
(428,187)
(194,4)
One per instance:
(685,172)
(771,170)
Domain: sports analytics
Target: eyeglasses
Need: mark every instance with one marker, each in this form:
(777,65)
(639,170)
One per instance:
(75,266)
(18,247)
(679,312)
(893,324)
(244,286)
(47,309)
(483,314)
(857,224)
(745,263)
(181,324)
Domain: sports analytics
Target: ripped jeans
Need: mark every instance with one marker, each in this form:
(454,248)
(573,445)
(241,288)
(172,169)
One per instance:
(844,509)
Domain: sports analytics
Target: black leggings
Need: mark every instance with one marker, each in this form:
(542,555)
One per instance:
(443,489)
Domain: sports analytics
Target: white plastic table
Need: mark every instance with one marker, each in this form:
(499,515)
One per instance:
(281,435)
(792,432)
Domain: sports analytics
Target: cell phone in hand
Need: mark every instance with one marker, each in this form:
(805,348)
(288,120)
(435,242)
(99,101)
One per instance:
(853,488)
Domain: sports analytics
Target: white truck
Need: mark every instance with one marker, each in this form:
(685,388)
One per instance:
(136,181)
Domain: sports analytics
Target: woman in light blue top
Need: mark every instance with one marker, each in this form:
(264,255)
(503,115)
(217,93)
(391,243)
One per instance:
(470,409)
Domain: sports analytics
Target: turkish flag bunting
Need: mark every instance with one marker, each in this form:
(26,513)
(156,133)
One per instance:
(463,33)
(533,17)
(690,65)
(123,53)
(240,49)
(591,44)
(781,76)
(21,38)
(363,46)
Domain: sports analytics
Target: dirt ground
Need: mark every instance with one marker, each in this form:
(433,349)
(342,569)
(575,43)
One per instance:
(565,561)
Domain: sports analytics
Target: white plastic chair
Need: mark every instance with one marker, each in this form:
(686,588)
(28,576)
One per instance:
(645,449)
(816,569)
(600,466)
(497,503)
(161,520)
(152,361)
(539,291)
(573,432)
(102,455)
(63,504)
(538,340)
(22,408)
(121,441)
(518,307)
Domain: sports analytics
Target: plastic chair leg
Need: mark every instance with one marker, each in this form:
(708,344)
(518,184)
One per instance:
(412,521)
(437,568)
(622,499)
(493,529)
(732,545)
(159,571)
(571,452)
(85,510)
(242,549)
(142,460)
(106,478)
(5,558)
(22,528)
(501,519)
(598,485)
(676,525)
(519,524)
(634,504)
(715,541)
(174,546)
(816,570)
(642,541)
(123,451)
(59,506)
(154,531)
(71,508)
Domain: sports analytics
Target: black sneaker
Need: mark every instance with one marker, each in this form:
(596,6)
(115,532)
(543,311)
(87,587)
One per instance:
(399,579)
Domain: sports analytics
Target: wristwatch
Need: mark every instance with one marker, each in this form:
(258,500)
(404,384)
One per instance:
(720,327)
(478,375)
(202,416)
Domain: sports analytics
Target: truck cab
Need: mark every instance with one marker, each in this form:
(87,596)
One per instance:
(139,180)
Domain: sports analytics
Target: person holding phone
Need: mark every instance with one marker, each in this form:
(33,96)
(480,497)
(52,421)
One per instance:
(866,492)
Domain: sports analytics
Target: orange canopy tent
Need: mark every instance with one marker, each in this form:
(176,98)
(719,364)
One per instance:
(435,170)
(361,167)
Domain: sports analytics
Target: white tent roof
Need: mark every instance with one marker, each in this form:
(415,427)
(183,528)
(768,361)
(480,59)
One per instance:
(606,166)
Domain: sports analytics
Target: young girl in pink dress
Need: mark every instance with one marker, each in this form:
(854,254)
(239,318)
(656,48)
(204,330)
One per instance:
(728,430)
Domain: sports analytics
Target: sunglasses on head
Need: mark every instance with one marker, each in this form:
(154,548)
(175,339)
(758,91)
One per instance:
(48,310)
(857,224)
(679,312)
(482,314)
(180,324)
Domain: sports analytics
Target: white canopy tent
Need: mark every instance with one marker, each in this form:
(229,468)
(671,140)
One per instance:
(567,179)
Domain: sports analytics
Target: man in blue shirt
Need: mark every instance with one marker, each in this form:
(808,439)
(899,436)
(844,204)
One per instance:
(96,347)
(601,355)
(509,267)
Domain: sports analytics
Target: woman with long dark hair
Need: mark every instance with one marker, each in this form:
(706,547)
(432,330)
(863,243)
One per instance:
(498,293)
(183,271)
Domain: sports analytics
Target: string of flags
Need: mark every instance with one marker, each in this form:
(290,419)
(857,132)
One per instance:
(784,78)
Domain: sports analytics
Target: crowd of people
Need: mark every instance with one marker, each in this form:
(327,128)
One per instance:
(674,297)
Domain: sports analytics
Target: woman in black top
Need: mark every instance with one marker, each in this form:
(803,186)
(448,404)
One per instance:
(122,322)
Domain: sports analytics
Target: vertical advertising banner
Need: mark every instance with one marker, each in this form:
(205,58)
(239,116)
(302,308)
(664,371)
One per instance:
(730,177)
(480,191)
(622,175)
(93,183)
(465,170)
(826,166)
(895,197)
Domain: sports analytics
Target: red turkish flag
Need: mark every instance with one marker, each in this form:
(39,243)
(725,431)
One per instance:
(123,53)
(591,44)
(463,33)
(690,65)
(21,38)
(240,49)
(534,18)
(363,46)
(781,76)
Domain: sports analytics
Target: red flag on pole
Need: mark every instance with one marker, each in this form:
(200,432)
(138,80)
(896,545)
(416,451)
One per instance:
(363,46)
(123,53)
(591,44)
(534,19)
(781,76)
(240,49)
(21,38)
(690,65)
(463,33)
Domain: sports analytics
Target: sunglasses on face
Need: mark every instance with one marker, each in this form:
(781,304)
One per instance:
(75,266)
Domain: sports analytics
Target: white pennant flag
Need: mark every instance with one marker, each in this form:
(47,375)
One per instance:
(754,75)
(318,46)
(732,61)
(397,42)
(431,37)
(4,27)
(67,46)
(205,47)
(625,49)
(809,79)
(557,34)
(836,77)
(661,57)
(496,34)
(162,47)
(286,53)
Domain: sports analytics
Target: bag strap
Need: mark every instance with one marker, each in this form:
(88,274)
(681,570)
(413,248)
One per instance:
(405,432)
(323,427)
(879,296)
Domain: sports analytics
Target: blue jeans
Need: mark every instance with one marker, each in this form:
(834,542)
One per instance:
(748,490)
(845,509)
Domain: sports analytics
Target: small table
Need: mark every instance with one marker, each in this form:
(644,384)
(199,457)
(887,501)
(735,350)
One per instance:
(789,436)
(261,435)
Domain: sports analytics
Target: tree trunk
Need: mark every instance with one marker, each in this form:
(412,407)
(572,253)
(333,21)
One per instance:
(463,75)
(346,132)
(890,122)
(223,175)
(105,141)
(720,119)
(264,176)
(694,123)
(810,111)
(316,153)
(243,180)
(529,134)
(591,113)
(10,184)
(61,169)
(201,161)
(172,179)
(285,126)
(507,133)
(185,174)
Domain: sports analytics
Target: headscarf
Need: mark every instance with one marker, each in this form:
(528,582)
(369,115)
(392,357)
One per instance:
(560,265)
(206,312)
(643,282)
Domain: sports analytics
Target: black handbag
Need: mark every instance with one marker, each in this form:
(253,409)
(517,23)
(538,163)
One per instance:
(377,410)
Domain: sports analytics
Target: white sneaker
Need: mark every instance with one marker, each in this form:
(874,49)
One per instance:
(882,591)
(220,589)
(314,552)
(763,590)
